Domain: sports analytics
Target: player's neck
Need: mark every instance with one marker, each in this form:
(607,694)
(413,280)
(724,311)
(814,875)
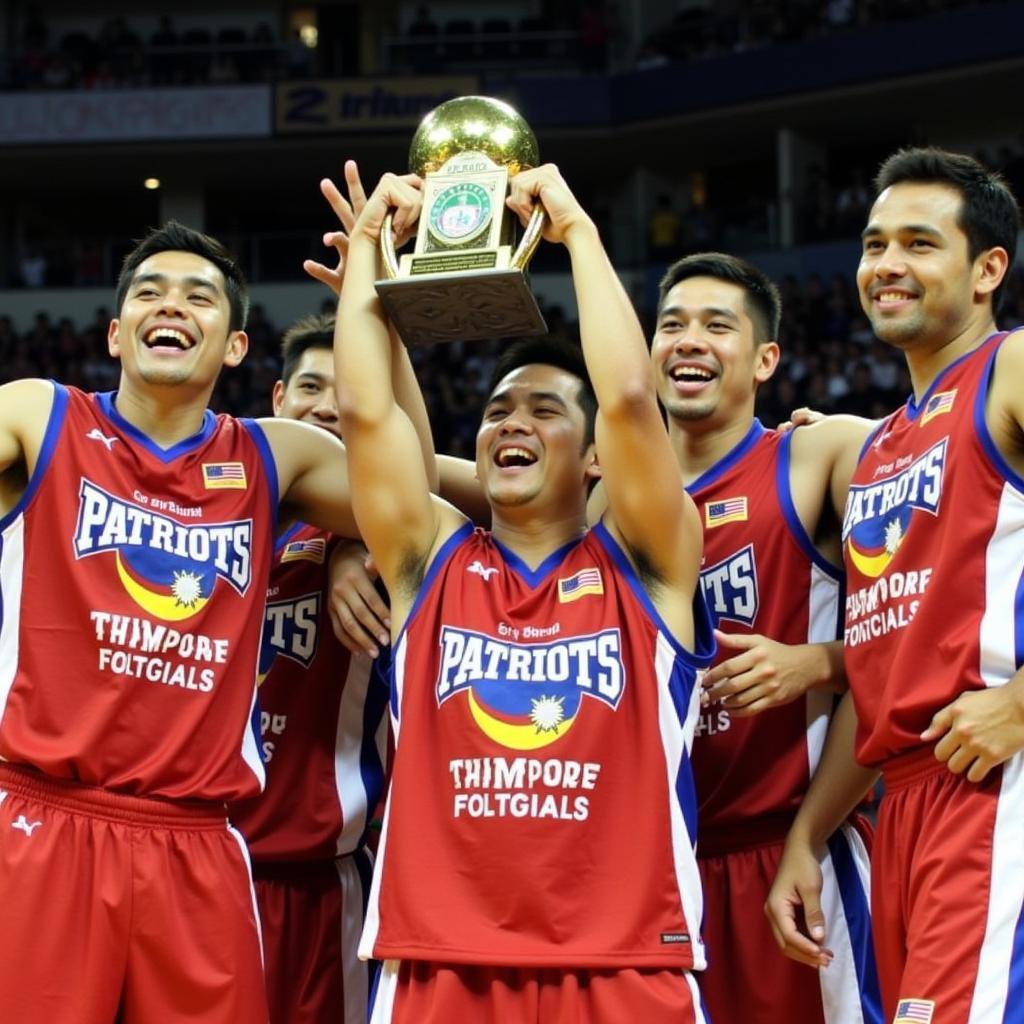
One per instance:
(927,361)
(161,413)
(698,447)
(534,537)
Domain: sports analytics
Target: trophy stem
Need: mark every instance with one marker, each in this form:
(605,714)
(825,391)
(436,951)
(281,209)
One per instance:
(387,247)
(530,240)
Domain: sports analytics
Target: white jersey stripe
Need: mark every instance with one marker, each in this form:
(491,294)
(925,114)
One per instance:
(1004,566)
(823,626)
(1005,899)
(348,748)
(677,740)
(12,564)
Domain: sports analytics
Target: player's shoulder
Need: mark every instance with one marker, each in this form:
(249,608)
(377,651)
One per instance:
(821,443)
(27,401)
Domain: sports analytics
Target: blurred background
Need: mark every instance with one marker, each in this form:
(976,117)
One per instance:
(748,125)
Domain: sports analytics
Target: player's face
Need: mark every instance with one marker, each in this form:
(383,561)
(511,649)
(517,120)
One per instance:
(915,278)
(530,440)
(173,324)
(309,393)
(705,356)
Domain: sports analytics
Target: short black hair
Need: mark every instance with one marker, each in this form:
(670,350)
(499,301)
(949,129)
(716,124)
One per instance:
(551,352)
(764,304)
(316,331)
(989,213)
(176,237)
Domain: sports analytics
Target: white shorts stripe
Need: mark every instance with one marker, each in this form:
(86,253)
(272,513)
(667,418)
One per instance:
(383,1009)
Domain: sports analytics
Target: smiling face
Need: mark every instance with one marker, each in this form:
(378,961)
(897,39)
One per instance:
(309,393)
(916,278)
(707,360)
(532,439)
(172,327)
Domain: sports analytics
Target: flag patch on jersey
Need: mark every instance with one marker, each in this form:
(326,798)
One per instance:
(586,581)
(914,1011)
(312,550)
(217,475)
(937,405)
(731,510)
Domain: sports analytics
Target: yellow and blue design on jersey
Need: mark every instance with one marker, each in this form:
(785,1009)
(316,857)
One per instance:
(527,696)
(879,515)
(167,568)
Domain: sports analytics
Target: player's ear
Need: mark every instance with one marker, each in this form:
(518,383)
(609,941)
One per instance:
(277,398)
(593,467)
(238,345)
(113,345)
(766,359)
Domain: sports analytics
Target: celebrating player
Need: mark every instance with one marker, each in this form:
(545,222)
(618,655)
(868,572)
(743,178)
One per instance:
(543,673)
(934,546)
(771,505)
(137,535)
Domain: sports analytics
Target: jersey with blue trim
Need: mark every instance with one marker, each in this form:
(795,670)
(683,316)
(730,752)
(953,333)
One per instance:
(541,810)
(933,538)
(322,718)
(133,580)
(761,574)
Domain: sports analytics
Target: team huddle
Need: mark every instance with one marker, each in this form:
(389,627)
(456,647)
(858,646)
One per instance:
(623,709)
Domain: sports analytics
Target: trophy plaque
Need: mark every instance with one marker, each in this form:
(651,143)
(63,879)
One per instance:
(466,277)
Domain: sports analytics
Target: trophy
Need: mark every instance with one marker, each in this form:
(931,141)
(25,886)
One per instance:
(464,280)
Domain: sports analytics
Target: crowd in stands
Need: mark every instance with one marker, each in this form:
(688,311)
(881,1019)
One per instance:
(830,361)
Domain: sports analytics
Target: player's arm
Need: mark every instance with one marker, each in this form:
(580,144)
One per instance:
(648,508)
(25,407)
(459,485)
(399,520)
(794,900)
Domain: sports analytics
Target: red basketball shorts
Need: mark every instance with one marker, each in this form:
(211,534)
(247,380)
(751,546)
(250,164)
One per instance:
(312,916)
(415,992)
(748,979)
(122,908)
(948,887)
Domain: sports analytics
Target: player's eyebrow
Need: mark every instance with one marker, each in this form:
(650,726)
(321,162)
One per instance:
(536,396)
(191,281)
(905,229)
(707,312)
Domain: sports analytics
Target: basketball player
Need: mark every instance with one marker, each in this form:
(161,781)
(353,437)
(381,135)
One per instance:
(770,505)
(324,736)
(934,549)
(543,674)
(137,535)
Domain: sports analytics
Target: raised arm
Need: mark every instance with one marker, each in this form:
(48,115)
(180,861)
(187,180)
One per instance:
(648,508)
(398,519)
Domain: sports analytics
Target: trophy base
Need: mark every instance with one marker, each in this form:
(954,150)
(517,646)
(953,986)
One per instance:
(435,308)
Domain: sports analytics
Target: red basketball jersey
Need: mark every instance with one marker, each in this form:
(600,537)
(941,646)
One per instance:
(934,543)
(322,717)
(541,809)
(761,574)
(133,581)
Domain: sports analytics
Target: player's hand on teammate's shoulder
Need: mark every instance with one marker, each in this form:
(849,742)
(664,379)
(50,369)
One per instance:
(763,673)
(801,417)
(546,185)
(360,618)
(793,906)
(979,730)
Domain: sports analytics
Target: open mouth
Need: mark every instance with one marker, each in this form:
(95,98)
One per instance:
(168,338)
(691,375)
(513,457)
(891,297)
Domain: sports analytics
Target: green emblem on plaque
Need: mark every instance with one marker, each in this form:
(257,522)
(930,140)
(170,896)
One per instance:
(460,212)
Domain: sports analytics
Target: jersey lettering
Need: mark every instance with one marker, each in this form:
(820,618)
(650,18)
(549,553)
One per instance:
(730,587)
(292,628)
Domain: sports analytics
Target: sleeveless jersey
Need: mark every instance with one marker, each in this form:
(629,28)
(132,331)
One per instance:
(541,810)
(761,574)
(933,538)
(133,580)
(322,717)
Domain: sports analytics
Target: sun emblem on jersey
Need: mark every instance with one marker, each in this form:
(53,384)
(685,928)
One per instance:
(547,713)
(187,588)
(893,536)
